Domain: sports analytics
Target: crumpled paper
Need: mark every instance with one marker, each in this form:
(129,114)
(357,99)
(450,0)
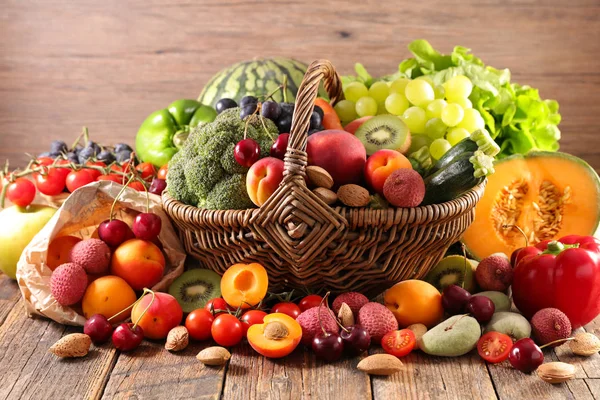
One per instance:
(80,215)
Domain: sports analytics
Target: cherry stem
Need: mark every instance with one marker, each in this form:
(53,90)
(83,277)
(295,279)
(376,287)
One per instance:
(520,230)
(464,251)
(128,307)
(146,291)
(319,313)
(112,208)
(557,341)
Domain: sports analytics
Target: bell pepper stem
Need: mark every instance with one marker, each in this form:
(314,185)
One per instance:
(556,247)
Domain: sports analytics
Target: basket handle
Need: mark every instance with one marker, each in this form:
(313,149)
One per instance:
(295,159)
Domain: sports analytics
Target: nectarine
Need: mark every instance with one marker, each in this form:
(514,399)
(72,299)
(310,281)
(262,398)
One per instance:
(163,314)
(340,153)
(59,250)
(108,295)
(263,179)
(139,262)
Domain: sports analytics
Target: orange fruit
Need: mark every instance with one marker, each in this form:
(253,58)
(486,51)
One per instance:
(107,296)
(414,302)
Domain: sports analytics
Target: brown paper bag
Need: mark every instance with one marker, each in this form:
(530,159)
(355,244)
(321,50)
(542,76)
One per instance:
(80,215)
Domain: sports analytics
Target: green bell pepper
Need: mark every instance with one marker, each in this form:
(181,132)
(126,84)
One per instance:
(164,131)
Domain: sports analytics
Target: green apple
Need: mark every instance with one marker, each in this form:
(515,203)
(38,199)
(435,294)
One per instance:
(18,226)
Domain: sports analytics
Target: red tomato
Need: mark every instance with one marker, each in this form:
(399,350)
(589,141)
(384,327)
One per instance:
(77,179)
(110,177)
(399,343)
(52,182)
(286,308)
(139,186)
(146,170)
(252,317)
(95,173)
(63,171)
(199,323)
(45,161)
(494,347)
(21,192)
(218,304)
(310,301)
(227,330)
(162,172)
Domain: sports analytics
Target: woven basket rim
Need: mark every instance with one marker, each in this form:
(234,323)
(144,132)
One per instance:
(455,206)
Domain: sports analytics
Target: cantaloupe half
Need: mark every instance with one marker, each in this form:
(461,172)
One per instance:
(548,195)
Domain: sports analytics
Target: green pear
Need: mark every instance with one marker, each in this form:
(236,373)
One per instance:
(18,225)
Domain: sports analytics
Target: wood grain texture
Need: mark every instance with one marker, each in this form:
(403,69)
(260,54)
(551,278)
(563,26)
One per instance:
(151,372)
(107,65)
(9,296)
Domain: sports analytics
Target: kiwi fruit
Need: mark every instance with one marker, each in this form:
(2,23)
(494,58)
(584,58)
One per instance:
(454,337)
(384,132)
(195,287)
(500,300)
(512,324)
(453,270)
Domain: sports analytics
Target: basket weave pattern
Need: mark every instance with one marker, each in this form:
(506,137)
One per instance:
(304,243)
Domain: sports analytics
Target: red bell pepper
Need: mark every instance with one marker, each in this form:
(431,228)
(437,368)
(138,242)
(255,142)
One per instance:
(563,274)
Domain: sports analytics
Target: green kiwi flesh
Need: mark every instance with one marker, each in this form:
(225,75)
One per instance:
(453,270)
(195,287)
(384,132)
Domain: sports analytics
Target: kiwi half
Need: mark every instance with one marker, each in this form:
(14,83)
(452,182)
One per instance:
(453,270)
(384,132)
(195,287)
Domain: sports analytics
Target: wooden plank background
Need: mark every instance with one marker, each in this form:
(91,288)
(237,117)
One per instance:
(108,64)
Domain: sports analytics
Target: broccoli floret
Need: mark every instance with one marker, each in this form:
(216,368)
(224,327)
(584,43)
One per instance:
(204,172)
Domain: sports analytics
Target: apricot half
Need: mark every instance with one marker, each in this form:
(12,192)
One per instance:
(244,285)
(277,337)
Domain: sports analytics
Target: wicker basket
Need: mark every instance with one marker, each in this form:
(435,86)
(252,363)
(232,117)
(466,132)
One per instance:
(304,243)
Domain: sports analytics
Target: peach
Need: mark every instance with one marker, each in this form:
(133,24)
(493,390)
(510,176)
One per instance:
(263,179)
(340,153)
(381,165)
(108,295)
(59,250)
(164,314)
(354,125)
(244,285)
(277,337)
(139,262)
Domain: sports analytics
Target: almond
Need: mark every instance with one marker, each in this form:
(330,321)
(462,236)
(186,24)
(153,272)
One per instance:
(380,364)
(215,355)
(328,196)
(73,345)
(345,315)
(319,177)
(585,344)
(353,195)
(556,372)
(419,330)
(177,339)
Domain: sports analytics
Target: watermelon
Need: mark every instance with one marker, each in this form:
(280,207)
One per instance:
(257,77)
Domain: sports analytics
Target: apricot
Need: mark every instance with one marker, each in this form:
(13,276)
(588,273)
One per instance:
(414,302)
(244,285)
(59,250)
(139,262)
(381,165)
(277,337)
(263,179)
(164,314)
(108,295)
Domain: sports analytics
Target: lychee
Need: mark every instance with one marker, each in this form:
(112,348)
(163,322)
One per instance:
(550,324)
(68,283)
(494,272)
(404,188)
(377,319)
(354,300)
(92,254)
(309,321)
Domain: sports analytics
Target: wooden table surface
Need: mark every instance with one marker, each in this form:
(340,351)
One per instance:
(108,64)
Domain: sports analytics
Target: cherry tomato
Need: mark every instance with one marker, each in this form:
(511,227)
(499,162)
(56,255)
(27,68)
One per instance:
(162,172)
(52,182)
(45,161)
(494,347)
(139,186)
(218,303)
(21,192)
(287,308)
(146,170)
(310,301)
(95,173)
(227,330)
(399,343)
(77,179)
(110,177)
(252,317)
(199,323)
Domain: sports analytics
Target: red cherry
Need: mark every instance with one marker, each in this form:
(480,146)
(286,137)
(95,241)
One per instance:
(525,355)
(127,336)
(157,186)
(246,152)
(114,232)
(328,346)
(98,328)
(279,148)
(147,226)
